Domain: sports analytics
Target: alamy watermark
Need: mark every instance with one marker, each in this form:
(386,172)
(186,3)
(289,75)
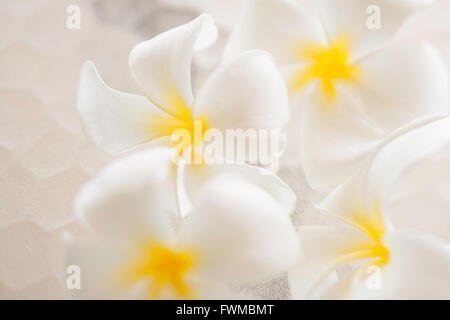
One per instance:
(373,281)
(260,147)
(73,21)
(373,21)
(73,281)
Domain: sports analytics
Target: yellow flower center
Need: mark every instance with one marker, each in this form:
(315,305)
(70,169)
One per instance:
(373,226)
(327,64)
(164,267)
(179,124)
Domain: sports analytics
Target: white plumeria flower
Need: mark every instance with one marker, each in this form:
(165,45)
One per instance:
(248,92)
(390,262)
(358,91)
(240,230)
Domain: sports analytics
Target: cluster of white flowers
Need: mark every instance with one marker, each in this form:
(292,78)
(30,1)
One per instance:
(165,229)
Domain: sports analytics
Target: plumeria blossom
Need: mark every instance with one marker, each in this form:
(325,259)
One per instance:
(238,232)
(247,92)
(389,262)
(353,89)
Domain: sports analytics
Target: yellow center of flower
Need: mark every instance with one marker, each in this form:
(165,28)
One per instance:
(164,267)
(373,226)
(178,124)
(327,64)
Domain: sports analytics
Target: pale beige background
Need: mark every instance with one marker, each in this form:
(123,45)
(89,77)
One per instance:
(44,156)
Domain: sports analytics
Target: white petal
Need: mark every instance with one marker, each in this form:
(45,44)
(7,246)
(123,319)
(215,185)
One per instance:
(162,66)
(247,92)
(114,120)
(412,143)
(353,19)
(132,199)
(278,27)
(192,178)
(399,85)
(418,268)
(419,199)
(323,250)
(370,189)
(99,278)
(240,231)
(410,174)
(335,138)
(292,155)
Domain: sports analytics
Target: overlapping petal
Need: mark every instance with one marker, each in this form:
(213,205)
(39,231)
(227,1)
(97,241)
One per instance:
(241,231)
(414,160)
(369,189)
(246,92)
(418,268)
(259,27)
(323,250)
(401,84)
(114,120)
(335,138)
(192,178)
(363,202)
(162,65)
(132,198)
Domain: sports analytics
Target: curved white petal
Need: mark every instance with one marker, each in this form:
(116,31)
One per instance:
(246,92)
(374,189)
(370,190)
(357,20)
(277,26)
(419,198)
(162,66)
(404,149)
(240,231)
(410,173)
(418,268)
(399,85)
(323,250)
(192,178)
(336,137)
(114,120)
(132,199)
(350,204)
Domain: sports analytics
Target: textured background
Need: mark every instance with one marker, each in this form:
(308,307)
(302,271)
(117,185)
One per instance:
(45,157)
